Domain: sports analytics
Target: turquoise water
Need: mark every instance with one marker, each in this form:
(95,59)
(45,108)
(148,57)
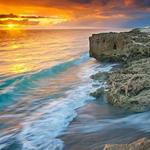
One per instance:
(44,80)
(41,84)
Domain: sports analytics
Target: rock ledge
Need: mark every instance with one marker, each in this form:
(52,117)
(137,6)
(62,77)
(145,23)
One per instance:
(128,87)
(141,144)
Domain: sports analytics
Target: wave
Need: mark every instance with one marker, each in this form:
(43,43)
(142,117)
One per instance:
(56,117)
(139,121)
(42,129)
(12,88)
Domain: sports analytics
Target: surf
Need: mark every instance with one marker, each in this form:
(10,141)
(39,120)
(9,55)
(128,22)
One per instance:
(12,87)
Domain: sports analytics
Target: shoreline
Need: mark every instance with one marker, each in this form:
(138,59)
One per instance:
(87,130)
(129,86)
(131,82)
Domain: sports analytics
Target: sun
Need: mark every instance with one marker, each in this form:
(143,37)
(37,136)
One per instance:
(12,26)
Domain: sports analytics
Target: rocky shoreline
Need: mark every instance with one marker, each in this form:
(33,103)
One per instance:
(141,144)
(128,86)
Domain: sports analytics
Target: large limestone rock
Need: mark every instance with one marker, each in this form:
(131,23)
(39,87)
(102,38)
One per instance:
(118,47)
(141,144)
(129,86)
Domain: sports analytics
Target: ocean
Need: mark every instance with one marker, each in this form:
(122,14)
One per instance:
(45,101)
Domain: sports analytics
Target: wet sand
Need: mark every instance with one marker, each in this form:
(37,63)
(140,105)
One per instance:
(89,132)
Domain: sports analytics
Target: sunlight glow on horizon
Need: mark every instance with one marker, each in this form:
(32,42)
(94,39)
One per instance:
(11,27)
(31,23)
(49,14)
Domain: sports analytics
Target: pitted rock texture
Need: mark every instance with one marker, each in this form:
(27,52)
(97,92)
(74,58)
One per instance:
(120,47)
(141,144)
(129,86)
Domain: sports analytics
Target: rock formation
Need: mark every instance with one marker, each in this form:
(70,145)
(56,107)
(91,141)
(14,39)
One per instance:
(141,144)
(120,47)
(128,87)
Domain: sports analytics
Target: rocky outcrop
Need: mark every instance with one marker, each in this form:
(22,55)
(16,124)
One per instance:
(128,87)
(141,144)
(120,47)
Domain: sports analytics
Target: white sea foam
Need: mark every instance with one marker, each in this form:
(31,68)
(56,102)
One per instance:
(41,134)
(138,121)
(146,29)
(42,129)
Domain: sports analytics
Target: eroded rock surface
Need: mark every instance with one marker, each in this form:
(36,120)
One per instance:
(120,47)
(141,144)
(128,87)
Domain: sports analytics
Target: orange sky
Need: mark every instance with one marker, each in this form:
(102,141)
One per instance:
(74,13)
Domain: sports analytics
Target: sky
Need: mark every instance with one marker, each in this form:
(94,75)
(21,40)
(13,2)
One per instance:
(74,13)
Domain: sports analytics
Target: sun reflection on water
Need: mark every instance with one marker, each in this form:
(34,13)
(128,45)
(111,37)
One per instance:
(33,50)
(19,68)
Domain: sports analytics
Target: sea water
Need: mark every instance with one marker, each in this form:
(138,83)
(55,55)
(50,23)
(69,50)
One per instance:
(44,80)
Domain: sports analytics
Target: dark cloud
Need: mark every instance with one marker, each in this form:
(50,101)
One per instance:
(70,3)
(145,3)
(8,16)
(105,2)
(33,17)
(2,16)
(20,22)
(121,3)
(82,1)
